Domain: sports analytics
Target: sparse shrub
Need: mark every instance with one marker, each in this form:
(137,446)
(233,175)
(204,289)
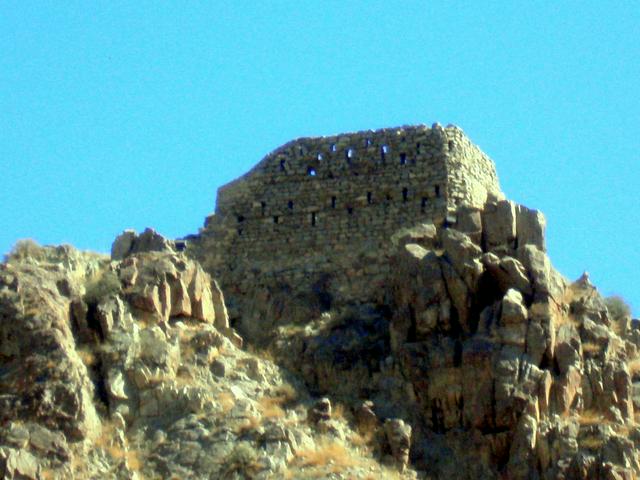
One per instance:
(108,441)
(25,248)
(327,452)
(618,309)
(105,284)
(287,394)
(270,407)
(591,348)
(243,460)
(591,442)
(591,417)
(87,357)
(262,353)
(619,314)
(249,424)
(634,366)
(338,411)
(364,439)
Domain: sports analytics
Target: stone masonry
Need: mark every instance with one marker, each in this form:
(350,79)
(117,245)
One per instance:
(327,207)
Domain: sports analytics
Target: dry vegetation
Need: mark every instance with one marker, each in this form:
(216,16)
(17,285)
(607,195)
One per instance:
(364,440)
(592,442)
(591,348)
(227,401)
(591,417)
(25,248)
(634,366)
(270,407)
(328,455)
(118,449)
(87,357)
(263,353)
(251,423)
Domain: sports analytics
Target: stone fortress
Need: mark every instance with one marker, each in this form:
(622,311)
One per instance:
(328,206)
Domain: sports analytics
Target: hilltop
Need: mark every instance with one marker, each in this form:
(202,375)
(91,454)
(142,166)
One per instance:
(367,305)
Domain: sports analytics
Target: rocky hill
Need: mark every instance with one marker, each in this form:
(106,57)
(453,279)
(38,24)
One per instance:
(468,357)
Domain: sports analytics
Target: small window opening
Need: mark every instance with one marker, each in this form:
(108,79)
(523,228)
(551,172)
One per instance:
(239,232)
(313,219)
(290,205)
(350,210)
(388,197)
(403,139)
(383,152)
(423,204)
(332,147)
(276,219)
(240,218)
(405,194)
(451,144)
(300,151)
(369,198)
(263,206)
(437,190)
(311,171)
(319,157)
(368,142)
(333,202)
(403,159)
(418,148)
(350,153)
(282,165)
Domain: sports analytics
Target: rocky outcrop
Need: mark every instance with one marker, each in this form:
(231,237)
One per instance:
(129,242)
(482,349)
(128,370)
(449,349)
(499,349)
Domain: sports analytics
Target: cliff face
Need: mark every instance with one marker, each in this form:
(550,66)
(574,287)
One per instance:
(469,356)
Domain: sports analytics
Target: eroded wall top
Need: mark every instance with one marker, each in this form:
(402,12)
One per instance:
(315,204)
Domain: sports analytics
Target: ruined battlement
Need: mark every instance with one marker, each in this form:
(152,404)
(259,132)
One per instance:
(315,204)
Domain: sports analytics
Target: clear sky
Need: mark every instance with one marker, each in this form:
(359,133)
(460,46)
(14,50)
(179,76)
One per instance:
(121,115)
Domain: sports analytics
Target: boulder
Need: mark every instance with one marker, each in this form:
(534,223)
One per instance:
(530,227)
(129,242)
(398,435)
(123,244)
(499,226)
(320,411)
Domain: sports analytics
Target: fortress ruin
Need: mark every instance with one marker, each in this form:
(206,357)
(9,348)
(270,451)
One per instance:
(326,207)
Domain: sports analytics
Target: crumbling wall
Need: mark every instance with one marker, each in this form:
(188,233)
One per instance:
(329,205)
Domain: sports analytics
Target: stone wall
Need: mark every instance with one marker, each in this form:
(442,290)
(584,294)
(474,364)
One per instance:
(329,205)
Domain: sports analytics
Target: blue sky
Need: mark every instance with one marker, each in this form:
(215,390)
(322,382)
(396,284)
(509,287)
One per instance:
(131,114)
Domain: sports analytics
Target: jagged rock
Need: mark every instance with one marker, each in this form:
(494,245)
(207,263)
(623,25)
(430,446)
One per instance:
(366,418)
(424,235)
(513,319)
(398,435)
(545,280)
(522,452)
(530,227)
(320,411)
(507,272)
(18,464)
(123,244)
(129,242)
(469,222)
(499,226)
(458,324)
